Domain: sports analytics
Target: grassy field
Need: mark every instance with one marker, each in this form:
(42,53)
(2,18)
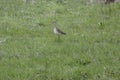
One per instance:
(29,50)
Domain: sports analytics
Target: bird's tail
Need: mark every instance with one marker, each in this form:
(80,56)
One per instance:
(63,33)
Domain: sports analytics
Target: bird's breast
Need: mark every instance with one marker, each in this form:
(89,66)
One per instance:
(56,32)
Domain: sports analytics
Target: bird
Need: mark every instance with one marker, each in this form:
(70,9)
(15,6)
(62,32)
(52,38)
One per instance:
(57,31)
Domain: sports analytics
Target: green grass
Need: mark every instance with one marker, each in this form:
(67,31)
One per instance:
(30,51)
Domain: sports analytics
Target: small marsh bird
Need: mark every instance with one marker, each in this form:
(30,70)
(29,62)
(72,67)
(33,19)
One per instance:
(57,31)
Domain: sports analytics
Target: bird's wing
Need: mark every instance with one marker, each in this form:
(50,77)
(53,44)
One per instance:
(60,31)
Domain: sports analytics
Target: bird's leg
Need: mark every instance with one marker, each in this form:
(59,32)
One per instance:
(58,36)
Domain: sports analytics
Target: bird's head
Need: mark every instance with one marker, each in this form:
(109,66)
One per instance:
(55,23)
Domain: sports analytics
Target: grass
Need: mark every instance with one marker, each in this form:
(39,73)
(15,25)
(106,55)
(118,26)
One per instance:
(30,51)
